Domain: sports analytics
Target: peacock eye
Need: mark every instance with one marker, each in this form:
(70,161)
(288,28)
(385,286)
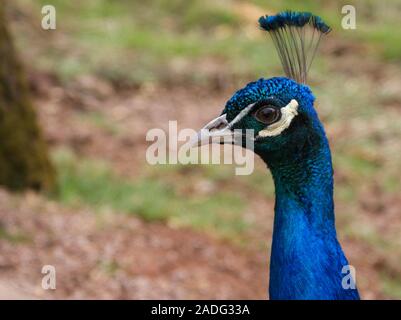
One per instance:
(267,114)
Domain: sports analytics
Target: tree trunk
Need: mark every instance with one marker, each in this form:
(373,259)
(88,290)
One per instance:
(24,159)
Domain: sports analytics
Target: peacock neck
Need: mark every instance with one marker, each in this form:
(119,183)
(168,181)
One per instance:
(304,188)
(306,258)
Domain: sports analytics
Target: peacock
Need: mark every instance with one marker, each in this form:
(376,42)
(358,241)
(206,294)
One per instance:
(307,261)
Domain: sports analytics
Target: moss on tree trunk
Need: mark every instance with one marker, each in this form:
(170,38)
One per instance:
(24,159)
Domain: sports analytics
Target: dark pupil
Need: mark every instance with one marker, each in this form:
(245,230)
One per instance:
(267,115)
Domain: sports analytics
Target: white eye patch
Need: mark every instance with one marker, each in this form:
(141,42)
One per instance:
(287,114)
(242,114)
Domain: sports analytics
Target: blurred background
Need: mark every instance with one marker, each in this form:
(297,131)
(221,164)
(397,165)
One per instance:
(78,194)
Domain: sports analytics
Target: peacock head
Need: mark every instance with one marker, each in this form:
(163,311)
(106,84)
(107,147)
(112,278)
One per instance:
(276,114)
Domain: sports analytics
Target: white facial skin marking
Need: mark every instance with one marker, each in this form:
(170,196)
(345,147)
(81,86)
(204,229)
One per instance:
(240,115)
(287,114)
(219,127)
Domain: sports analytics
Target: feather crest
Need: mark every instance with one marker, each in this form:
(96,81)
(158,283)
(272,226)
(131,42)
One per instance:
(296,36)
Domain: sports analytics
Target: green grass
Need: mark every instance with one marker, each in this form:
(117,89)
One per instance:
(84,182)
(134,42)
(100,121)
(386,41)
(259,182)
(109,267)
(391,286)
(377,22)
(355,164)
(13,237)
(137,43)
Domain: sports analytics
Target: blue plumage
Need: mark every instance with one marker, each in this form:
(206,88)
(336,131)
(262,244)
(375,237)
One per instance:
(307,261)
(296,36)
(291,18)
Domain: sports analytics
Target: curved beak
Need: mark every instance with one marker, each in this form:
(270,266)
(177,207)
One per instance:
(219,130)
(216,131)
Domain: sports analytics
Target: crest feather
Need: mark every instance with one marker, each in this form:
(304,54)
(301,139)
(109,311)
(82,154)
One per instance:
(296,36)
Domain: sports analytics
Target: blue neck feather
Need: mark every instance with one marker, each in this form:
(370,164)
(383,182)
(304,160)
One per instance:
(306,259)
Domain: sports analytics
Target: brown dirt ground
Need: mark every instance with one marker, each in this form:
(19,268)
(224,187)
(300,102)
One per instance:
(114,256)
(117,256)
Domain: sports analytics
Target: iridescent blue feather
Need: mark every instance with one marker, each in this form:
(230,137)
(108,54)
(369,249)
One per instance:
(296,36)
